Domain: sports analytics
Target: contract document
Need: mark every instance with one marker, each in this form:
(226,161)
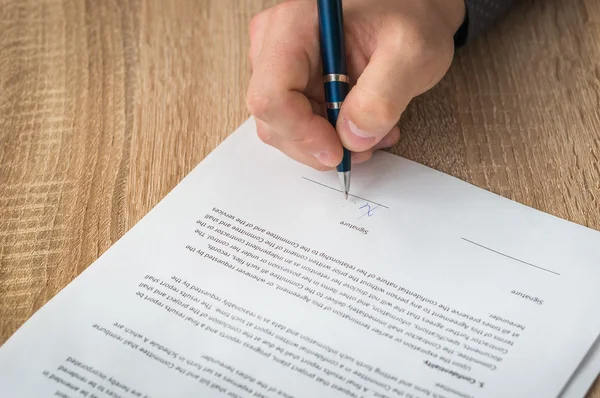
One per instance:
(254,277)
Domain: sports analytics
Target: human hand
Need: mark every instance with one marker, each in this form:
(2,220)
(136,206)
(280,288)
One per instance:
(396,50)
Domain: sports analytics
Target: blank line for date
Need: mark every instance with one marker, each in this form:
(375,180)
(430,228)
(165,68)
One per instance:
(507,256)
(340,191)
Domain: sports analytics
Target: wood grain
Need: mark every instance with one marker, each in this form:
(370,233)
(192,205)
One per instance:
(106,105)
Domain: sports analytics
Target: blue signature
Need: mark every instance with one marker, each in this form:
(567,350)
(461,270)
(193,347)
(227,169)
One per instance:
(370,210)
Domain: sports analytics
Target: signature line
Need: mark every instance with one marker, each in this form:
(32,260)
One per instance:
(339,190)
(512,258)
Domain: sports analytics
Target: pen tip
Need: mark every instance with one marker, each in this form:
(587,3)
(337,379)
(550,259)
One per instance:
(344,182)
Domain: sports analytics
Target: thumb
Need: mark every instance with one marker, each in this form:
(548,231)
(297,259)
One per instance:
(374,105)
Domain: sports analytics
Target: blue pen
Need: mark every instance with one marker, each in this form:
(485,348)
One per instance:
(333,54)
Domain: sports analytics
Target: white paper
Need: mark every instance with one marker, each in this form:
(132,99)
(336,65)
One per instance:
(255,278)
(585,376)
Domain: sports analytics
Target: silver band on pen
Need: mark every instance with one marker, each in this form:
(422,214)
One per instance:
(336,77)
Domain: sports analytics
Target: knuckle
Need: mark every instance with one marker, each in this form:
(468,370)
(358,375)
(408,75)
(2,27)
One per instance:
(413,41)
(417,44)
(259,104)
(425,54)
(258,21)
(423,51)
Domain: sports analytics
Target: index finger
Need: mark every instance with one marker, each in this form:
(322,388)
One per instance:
(279,89)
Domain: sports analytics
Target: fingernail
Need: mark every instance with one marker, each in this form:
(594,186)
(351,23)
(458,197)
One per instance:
(356,139)
(358,132)
(325,158)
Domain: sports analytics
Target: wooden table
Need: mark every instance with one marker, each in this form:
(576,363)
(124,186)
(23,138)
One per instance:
(106,105)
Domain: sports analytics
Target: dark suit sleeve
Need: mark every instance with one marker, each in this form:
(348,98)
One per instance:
(481,14)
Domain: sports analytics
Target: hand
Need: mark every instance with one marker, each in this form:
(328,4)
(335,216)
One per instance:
(396,50)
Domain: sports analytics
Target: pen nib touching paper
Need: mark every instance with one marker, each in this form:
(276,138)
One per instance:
(345,182)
